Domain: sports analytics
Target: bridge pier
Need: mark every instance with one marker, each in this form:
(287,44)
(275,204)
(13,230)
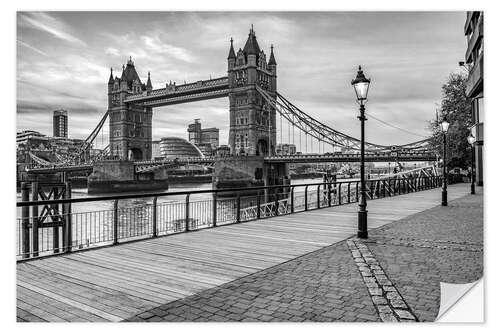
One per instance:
(248,171)
(120,176)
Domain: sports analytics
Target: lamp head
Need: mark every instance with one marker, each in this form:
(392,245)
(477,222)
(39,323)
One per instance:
(445,125)
(471,139)
(361,85)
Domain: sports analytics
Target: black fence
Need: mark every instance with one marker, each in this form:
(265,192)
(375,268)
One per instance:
(48,227)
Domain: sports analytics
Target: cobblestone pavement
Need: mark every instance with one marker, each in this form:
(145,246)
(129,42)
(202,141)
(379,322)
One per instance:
(415,254)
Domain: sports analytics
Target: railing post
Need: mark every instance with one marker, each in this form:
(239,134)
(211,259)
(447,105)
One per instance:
(292,199)
(329,189)
(349,192)
(214,209)
(25,214)
(357,191)
(55,230)
(258,204)
(155,221)
(115,222)
(318,201)
(34,222)
(68,230)
(340,193)
(238,206)
(186,213)
(276,202)
(305,199)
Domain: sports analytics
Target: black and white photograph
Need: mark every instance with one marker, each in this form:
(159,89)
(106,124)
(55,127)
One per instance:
(248,166)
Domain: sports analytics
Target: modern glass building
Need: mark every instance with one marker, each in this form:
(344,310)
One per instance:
(174,147)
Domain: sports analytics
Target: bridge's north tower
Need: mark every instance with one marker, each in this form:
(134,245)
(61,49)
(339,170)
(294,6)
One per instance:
(129,123)
(252,128)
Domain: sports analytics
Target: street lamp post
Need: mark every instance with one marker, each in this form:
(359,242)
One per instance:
(444,195)
(361,85)
(471,139)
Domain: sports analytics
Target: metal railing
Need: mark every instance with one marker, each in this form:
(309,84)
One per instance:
(63,226)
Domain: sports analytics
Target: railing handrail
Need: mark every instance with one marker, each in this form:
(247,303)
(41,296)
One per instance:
(166,194)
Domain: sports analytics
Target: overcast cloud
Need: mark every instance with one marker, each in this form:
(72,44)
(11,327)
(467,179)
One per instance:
(64,61)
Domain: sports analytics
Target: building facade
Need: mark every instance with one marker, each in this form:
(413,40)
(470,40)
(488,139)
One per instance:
(473,30)
(206,139)
(286,149)
(252,129)
(129,124)
(155,149)
(60,123)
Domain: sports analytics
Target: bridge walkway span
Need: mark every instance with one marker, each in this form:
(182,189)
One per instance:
(115,283)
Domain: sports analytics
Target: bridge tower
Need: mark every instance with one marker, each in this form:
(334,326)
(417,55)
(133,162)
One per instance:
(252,128)
(129,124)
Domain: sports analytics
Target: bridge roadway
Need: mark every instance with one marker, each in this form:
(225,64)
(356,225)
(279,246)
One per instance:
(115,283)
(302,158)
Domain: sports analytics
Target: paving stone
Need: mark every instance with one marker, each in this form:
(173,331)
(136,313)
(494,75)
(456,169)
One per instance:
(403,314)
(379,300)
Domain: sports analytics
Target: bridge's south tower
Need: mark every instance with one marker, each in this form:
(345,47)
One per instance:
(129,124)
(252,128)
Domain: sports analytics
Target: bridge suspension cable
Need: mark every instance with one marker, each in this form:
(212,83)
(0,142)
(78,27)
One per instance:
(394,126)
(314,128)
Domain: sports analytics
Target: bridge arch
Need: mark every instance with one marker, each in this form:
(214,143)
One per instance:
(135,154)
(262,147)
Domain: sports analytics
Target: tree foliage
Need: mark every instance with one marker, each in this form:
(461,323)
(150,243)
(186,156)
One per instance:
(458,111)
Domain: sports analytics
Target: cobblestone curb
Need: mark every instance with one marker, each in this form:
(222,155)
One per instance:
(429,243)
(390,305)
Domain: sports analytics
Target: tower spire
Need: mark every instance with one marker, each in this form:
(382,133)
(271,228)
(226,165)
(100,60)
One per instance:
(272,61)
(148,84)
(231,55)
(111,80)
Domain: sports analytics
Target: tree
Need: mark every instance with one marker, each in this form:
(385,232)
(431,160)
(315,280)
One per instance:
(458,111)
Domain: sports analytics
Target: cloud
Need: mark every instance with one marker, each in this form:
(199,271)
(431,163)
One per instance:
(51,25)
(155,44)
(32,48)
(112,51)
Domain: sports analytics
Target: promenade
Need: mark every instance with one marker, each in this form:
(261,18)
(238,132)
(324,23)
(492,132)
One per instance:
(295,267)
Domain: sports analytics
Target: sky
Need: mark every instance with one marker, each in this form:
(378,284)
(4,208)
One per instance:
(64,60)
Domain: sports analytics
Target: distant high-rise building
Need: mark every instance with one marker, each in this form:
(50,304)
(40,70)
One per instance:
(60,124)
(155,149)
(286,149)
(206,139)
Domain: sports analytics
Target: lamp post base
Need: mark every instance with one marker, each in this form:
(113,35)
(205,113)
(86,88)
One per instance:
(362,224)
(444,198)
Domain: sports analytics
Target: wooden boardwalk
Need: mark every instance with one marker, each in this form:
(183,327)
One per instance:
(114,283)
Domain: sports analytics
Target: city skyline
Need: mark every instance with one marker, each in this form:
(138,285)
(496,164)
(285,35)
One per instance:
(64,60)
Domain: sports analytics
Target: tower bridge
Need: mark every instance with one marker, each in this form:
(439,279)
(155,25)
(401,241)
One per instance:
(254,107)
